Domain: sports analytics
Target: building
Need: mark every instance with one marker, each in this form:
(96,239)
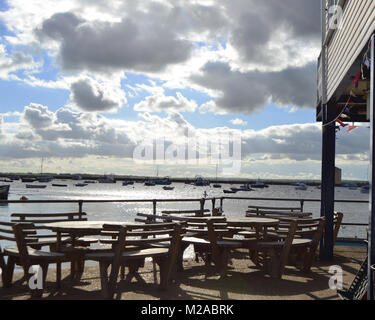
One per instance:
(338,180)
(345,95)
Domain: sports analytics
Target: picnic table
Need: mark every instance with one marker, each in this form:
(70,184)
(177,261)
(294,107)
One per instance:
(77,229)
(258,223)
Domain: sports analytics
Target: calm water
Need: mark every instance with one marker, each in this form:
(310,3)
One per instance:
(127,211)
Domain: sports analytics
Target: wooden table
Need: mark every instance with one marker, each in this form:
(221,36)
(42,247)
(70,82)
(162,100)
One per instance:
(78,229)
(258,223)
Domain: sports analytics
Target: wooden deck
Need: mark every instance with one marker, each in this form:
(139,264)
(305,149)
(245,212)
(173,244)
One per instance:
(244,282)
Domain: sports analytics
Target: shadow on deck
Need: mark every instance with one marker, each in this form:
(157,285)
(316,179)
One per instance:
(244,282)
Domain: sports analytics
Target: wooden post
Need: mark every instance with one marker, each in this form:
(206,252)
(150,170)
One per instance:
(328,153)
(328,182)
(371,229)
(202,201)
(80,204)
(221,202)
(154,207)
(213,200)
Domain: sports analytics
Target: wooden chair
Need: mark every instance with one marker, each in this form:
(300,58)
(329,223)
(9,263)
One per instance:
(7,234)
(48,238)
(220,245)
(133,244)
(306,240)
(273,255)
(26,256)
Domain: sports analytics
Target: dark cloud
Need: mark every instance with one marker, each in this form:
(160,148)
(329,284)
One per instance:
(132,44)
(87,97)
(256,21)
(247,92)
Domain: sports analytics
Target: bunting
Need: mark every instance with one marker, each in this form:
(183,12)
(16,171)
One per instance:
(363,74)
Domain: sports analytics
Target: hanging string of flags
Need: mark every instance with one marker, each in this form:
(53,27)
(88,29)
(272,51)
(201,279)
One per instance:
(363,74)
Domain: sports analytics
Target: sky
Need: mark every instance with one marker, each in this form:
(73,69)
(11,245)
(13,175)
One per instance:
(94,86)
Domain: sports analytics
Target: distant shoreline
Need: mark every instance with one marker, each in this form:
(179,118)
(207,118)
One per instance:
(175,179)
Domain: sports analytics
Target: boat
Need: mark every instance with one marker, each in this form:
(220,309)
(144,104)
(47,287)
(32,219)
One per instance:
(6,180)
(59,185)
(44,179)
(81,184)
(301,186)
(200,182)
(259,185)
(365,189)
(28,179)
(229,191)
(107,180)
(36,186)
(89,181)
(165,181)
(76,177)
(216,185)
(149,183)
(168,188)
(4,191)
(127,183)
(245,187)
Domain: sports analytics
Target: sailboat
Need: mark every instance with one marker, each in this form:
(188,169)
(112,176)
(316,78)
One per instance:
(216,185)
(42,178)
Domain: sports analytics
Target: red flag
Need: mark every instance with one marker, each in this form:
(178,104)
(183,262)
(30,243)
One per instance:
(357,78)
(351,128)
(342,124)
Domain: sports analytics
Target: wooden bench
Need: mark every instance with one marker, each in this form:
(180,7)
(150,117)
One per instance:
(131,246)
(276,213)
(197,213)
(307,236)
(273,255)
(291,209)
(221,244)
(49,238)
(26,256)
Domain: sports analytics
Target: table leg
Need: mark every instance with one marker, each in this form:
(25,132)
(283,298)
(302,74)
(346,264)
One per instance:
(58,264)
(74,261)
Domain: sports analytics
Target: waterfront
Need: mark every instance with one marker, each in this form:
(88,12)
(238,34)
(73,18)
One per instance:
(353,212)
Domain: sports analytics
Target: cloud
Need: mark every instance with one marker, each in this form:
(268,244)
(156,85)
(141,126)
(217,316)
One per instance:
(90,95)
(160,103)
(18,60)
(249,92)
(238,122)
(141,44)
(274,32)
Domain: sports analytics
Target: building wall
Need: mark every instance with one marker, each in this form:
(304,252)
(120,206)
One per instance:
(338,180)
(346,42)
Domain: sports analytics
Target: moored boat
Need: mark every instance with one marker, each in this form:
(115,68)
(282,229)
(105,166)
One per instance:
(36,186)
(81,184)
(229,191)
(200,182)
(107,180)
(127,183)
(168,188)
(59,185)
(4,191)
(301,186)
(28,179)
